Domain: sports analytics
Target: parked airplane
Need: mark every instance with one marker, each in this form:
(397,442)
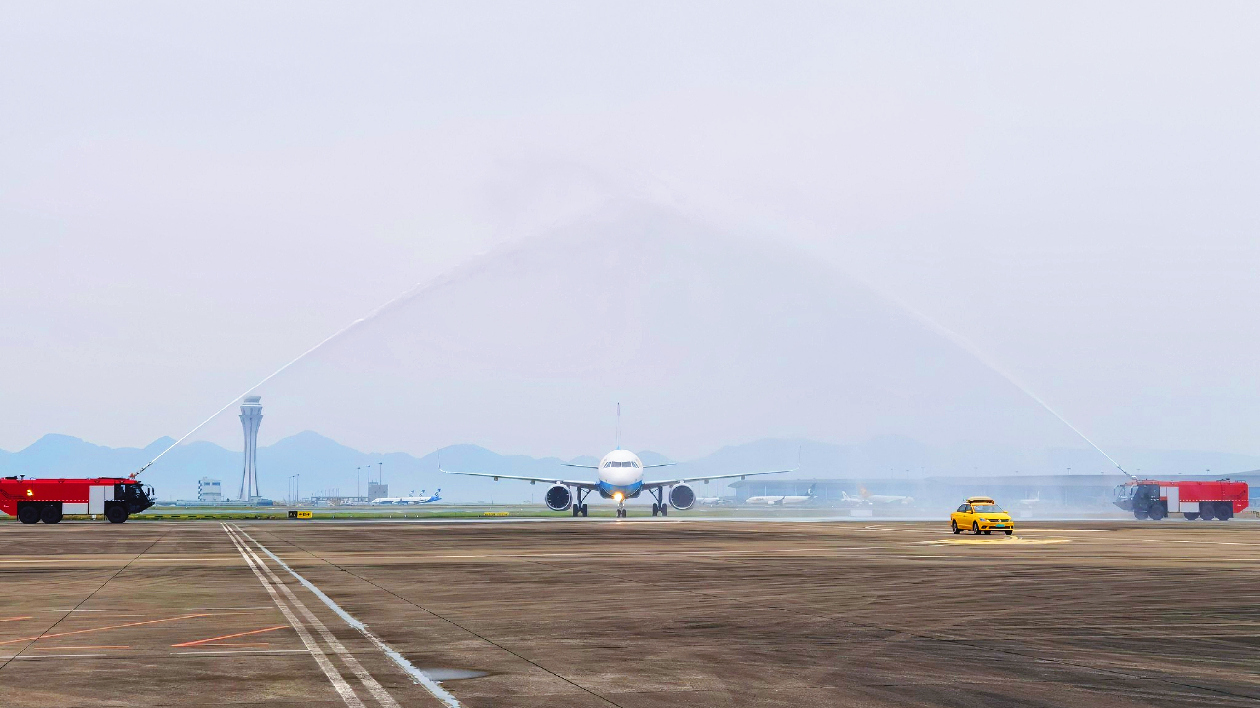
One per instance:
(413,499)
(714,501)
(782,500)
(877,498)
(620,477)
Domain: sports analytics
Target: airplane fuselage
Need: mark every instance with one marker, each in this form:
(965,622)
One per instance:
(777,500)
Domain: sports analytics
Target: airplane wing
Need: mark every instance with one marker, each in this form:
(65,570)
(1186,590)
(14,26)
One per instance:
(663,464)
(681,480)
(585,467)
(584,484)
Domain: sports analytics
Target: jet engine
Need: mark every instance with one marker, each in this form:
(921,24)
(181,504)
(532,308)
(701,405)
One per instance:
(682,497)
(559,498)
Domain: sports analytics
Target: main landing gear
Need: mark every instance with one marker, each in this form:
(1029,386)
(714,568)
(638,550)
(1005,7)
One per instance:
(659,506)
(580,506)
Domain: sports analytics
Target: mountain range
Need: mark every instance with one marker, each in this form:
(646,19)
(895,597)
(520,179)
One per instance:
(327,466)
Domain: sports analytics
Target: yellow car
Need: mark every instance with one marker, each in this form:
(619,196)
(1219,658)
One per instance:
(981,515)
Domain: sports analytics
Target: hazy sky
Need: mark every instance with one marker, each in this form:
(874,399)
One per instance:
(190,194)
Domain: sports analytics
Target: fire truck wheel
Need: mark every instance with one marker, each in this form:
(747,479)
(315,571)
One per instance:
(1190,516)
(1156,512)
(1140,514)
(116,514)
(28,514)
(1205,511)
(1224,511)
(51,514)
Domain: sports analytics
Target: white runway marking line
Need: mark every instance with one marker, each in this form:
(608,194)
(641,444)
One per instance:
(334,677)
(613,554)
(371,684)
(419,676)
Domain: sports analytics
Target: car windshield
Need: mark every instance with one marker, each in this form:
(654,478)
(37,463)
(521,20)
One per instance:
(987,508)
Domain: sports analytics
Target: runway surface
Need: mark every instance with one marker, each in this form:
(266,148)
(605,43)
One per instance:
(646,612)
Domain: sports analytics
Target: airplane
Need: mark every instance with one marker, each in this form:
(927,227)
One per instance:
(620,477)
(782,500)
(422,499)
(413,499)
(714,501)
(878,498)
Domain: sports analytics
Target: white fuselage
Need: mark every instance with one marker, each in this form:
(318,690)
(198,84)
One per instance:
(620,473)
(422,499)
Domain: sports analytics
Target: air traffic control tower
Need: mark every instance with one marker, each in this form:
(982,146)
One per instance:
(251,417)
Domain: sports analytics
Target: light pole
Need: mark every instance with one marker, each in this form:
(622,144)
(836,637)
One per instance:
(380,476)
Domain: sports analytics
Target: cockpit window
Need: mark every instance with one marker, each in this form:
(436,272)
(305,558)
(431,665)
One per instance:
(634,464)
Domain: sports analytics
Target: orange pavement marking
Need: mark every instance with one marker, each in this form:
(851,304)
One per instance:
(60,648)
(100,629)
(15,619)
(230,636)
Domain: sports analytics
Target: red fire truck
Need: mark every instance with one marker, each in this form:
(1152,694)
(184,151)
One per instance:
(1153,499)
(47,500)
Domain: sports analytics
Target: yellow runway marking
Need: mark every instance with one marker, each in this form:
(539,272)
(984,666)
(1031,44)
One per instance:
(15,619)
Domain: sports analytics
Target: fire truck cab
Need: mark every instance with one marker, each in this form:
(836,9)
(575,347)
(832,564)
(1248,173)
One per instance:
(1207,500)
(48,500)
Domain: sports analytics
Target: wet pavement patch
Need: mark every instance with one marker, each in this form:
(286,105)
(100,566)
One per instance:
(453,674)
